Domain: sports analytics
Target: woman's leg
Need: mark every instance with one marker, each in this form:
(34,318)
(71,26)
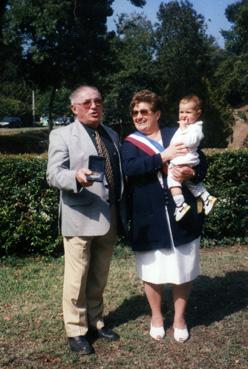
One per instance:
(154,296)
(180,299)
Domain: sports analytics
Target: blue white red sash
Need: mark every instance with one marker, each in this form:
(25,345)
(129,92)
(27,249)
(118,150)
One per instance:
(146,144)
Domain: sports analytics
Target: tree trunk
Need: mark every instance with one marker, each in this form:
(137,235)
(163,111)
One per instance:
(50,108)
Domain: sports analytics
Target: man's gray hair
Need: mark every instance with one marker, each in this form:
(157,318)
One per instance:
(76,93)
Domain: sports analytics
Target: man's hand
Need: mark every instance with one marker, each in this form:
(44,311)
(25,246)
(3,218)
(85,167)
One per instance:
(182,173)
(81,177)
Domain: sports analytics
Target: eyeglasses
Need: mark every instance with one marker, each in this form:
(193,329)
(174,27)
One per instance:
(87,103)
(143,112)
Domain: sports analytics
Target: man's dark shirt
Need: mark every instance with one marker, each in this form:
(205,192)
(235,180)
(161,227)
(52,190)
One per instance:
(113,155)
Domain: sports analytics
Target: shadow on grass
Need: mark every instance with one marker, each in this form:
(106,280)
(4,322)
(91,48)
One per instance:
(211,300)
(130,309)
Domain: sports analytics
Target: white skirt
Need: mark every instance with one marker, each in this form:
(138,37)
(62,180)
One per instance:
(177,265)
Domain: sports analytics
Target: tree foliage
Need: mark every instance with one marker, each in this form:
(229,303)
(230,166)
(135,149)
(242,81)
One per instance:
(61,42)
(132,51)
(236,40)
(52,46)
(183,51)
(233,71)
(233,74)
(58,38)
(186,60)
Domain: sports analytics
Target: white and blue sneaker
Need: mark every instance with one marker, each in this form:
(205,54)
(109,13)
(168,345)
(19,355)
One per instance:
(180,211)
(209,204)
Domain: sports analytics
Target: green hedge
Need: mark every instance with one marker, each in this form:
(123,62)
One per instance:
(29,208)
(227,179)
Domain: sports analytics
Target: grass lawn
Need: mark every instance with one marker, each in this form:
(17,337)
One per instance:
(31,325)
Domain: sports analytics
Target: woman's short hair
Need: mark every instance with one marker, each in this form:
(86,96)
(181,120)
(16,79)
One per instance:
(149,97)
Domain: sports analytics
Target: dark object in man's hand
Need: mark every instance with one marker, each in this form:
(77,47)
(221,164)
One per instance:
(96,164)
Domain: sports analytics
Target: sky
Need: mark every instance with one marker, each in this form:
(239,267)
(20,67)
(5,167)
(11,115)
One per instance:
(212,10)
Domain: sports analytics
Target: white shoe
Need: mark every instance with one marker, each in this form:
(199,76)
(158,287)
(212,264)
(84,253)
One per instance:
(180,211)
(209,204)
(181,335)
(157,332)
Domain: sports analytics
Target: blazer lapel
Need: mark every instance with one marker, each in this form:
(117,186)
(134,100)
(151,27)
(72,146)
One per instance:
(83,139)
(167,134)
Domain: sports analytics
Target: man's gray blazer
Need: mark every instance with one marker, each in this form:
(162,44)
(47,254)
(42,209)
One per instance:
(83,211)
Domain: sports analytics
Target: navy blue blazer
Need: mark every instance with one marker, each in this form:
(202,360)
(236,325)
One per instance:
(149,227)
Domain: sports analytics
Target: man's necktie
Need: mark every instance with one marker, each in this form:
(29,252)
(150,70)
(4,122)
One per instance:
(102,150)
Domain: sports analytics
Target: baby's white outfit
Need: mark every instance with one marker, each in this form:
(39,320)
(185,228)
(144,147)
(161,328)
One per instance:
(190,136)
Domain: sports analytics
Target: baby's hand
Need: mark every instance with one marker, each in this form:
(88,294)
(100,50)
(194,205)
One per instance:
(183,123)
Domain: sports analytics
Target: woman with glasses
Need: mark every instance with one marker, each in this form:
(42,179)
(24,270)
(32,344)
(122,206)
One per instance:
(166,251)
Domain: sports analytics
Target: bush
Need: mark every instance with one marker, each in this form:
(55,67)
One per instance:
(227,179)
(29,208)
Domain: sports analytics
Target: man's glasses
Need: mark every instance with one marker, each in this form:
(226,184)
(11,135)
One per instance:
(87,103)
(143,112)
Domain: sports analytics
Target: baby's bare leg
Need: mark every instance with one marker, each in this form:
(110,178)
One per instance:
(176,191)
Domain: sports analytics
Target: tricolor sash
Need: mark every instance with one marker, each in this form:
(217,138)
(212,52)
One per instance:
(148,145)
(145,143)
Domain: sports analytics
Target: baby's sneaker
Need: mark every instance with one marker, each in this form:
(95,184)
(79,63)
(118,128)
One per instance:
(180,211)
(209,204)
(199,205)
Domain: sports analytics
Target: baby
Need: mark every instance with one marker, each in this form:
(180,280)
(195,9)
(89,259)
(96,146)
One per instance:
(190,134)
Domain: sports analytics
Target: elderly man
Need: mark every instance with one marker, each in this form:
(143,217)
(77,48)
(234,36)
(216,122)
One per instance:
(91,210)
